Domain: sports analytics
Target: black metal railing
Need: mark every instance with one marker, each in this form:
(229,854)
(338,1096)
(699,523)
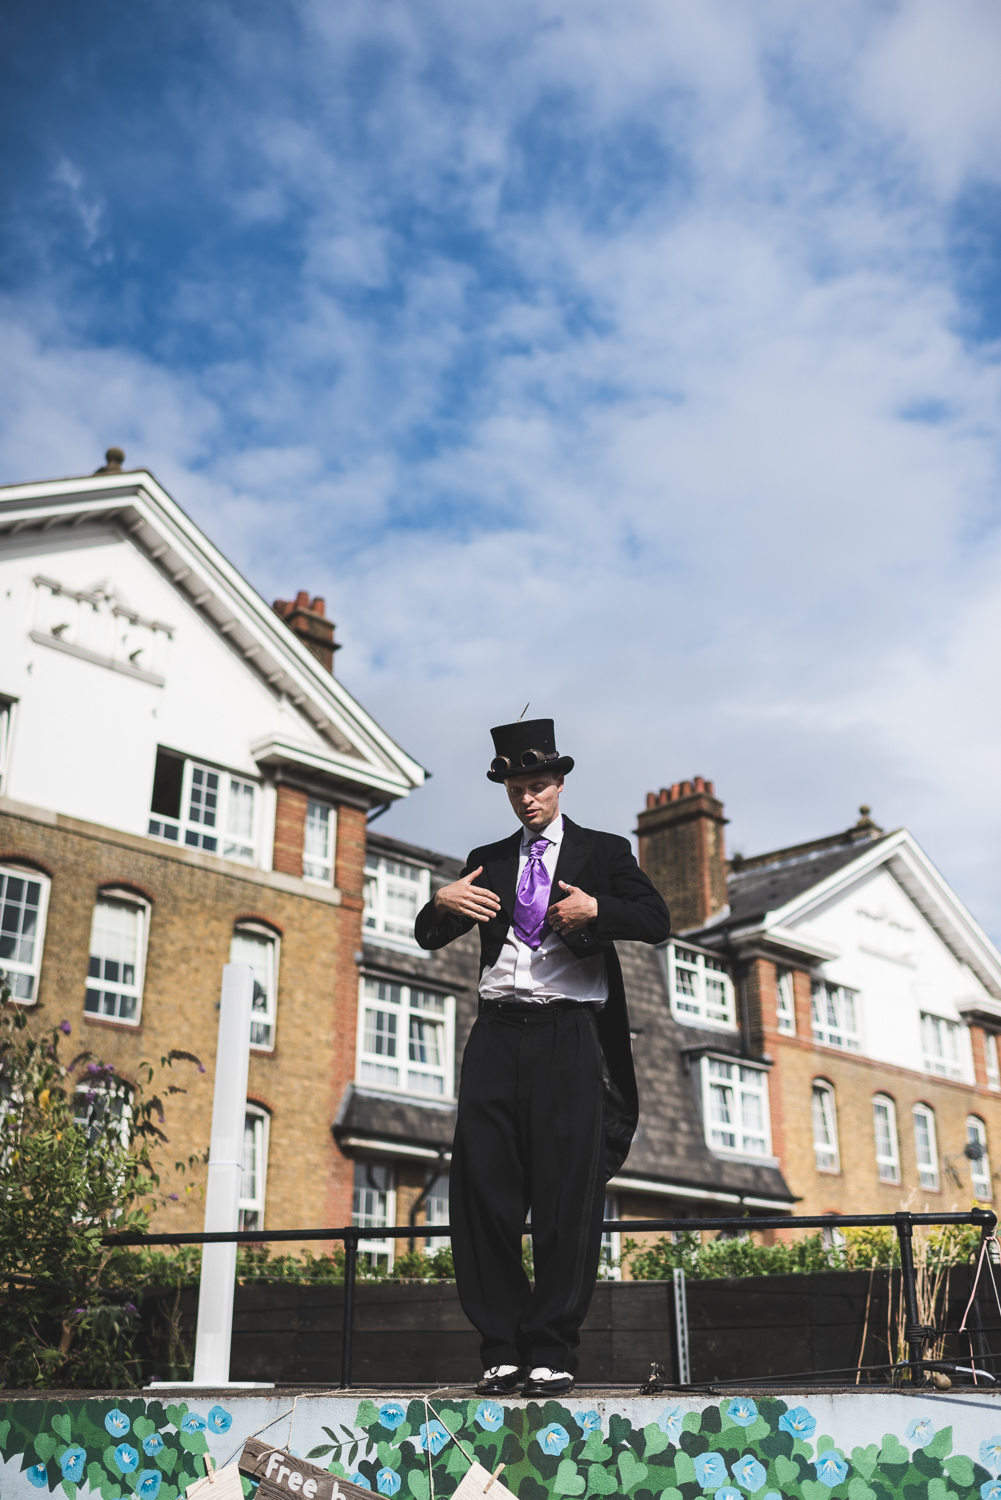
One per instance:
(916,1336)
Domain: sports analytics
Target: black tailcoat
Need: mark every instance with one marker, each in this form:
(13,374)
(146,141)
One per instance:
(629,907)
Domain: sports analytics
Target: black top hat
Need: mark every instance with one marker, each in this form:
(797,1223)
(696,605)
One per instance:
(527,746)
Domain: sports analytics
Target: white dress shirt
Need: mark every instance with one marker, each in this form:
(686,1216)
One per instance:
(549,972)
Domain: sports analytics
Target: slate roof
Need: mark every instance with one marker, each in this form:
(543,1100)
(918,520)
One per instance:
(763,888)
(669,1145)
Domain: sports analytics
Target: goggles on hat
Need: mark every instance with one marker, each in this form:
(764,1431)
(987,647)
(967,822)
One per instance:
(528,760)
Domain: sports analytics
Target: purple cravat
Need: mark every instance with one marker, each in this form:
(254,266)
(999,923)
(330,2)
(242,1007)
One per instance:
(532,900)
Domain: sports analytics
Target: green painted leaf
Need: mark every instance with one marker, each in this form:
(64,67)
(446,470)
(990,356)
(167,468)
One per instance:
(939,1490)
(568,1481)
(941,1444)
(691,1421)
(859,1490)
(389,1457)
(4,1430)
(176,1414)
(456,1463)
(367,1413)
(417,1482)
(601,1481)
(814,1490)
(193,1442)
(893,1451)
(69,1488)
(451,1419)
(619,1429)
(684,1469)
(62,1424)
(166,1459)
(320,1452)
(142,1427)
(786,1472)
(656,1441)
(864,1460)
(45,1446)
(632,1471)
(959,1468)
(671,1495)
(596,1450)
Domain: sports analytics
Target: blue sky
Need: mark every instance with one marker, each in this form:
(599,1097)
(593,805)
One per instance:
(641,361)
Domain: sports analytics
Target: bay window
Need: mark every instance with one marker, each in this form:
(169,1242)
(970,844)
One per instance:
(406,1038)
(700,988)
(735,1107)
(202,807)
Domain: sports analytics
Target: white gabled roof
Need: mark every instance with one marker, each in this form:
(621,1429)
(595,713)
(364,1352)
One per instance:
(360,751)
(937,902)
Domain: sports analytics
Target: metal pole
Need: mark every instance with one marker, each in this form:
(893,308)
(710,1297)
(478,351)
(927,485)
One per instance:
(681,1327)
(214,1334)
(348,1308)
(913,1331)
(988,1223)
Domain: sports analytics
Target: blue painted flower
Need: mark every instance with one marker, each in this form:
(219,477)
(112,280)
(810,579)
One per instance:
(126,1458)
(728,1493)
(38,1475)
(193,1423)
(553,1439)
(772,1495)
(388,1482)
(990,1453)
(587,1421)
(73,1463)
(152,1445)
(219,1419)
(799,1422)
(742,1411)
(831,1468)
(921,1431)
(670,1420)
(989,1491)
(490,1415)
(710,1470)
(359,1478)
(148,1484)
(749,1473)
(117,1423)
(392,1415)
(433,1437)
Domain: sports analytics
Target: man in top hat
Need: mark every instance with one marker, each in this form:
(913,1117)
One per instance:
(547,1097)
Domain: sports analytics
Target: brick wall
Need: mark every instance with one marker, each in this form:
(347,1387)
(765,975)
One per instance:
(195,900)
(290,830)
(680,836)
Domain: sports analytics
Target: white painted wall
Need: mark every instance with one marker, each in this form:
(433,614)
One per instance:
(85,736)
(898,964)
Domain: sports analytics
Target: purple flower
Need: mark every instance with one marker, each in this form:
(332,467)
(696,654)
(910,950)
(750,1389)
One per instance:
(126,1457)
(65,1028)
(93,1068)
(174,1197)
(201,1069)
(130,1307)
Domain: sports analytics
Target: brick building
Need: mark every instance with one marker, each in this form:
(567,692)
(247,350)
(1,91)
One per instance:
(856,1036)
(184,782)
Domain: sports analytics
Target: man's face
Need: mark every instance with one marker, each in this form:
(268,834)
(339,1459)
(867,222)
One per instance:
(535,798)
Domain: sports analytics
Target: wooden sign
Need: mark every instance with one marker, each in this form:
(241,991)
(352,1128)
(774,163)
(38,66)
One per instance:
(281,1475)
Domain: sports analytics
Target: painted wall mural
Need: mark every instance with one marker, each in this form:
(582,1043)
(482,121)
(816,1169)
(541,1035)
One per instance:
(821,1446)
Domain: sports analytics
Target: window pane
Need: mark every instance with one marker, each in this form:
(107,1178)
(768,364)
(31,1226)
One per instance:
(258,951)
(426,1041)
(19,906)
(204,799)
(317,854)
(240,818)
(380,1032)
(113,965)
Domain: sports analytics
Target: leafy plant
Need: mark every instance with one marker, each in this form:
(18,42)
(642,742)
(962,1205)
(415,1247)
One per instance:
(78,1159)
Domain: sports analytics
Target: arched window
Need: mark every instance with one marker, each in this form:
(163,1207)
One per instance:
(980,1162)
(884,1124)
(255,1167)
(118,932)
(825,1128)
(257,945)
(926,1146)
(24,898)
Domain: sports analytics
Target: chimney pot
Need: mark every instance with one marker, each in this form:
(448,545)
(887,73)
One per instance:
(710,790)
(686,788)
(675,791)
(319,606)
(651,800)
(700,784)
(309,623)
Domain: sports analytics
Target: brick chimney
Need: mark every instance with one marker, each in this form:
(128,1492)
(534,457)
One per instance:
(309,622)
(681,849)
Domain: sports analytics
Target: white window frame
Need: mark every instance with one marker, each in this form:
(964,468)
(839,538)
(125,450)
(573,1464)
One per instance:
(266,1016)
(991,1067)
(941,1047)
(116,1089)
(385,875)
(8,707)
(688,969)
(838,1024)
(436,1212)
(785,1002)
(101,987)
(374,1247)
(928,1173)
(887,1160)
(742,1080)
(980,1171)
(824,1122)
(192,830)
(317,866)
(18,971)
(256,1136)
(372,1067)
(609,1266)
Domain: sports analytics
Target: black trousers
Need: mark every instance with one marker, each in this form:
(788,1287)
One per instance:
(529,1134)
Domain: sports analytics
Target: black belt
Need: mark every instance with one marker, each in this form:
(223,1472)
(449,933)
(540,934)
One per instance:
(518,1010)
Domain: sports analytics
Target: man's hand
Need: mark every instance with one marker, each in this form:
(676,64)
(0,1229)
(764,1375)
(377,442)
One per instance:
(465,899)
(573,913)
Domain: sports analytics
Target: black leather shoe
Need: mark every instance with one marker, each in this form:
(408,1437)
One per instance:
(553,1383)
(500,1385)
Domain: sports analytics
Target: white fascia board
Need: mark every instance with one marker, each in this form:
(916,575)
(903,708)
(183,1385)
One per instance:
(930,892)
(390,1148)
(107,495)
(647,1185)
(780,937)
(281,750)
